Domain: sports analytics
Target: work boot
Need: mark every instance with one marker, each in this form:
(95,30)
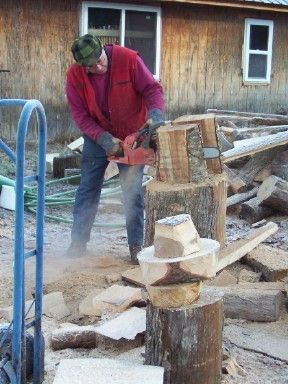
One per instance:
(76,249)
(134,250)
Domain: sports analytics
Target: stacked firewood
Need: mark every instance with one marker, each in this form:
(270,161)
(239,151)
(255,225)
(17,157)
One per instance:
(256,163)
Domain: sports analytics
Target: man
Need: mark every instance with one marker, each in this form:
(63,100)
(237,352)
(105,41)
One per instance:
(111,94)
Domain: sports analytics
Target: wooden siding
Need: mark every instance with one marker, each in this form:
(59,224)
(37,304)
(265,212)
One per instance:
(202,60)
(35,47)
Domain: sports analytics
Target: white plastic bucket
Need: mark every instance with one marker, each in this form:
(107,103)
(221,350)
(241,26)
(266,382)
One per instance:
(8,197)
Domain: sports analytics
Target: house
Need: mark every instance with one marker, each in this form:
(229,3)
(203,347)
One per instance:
(206,53)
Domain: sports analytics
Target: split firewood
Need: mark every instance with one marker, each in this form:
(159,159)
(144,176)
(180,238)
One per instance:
(241,197)
(234,181)
(254,146)
(248,133)
(248,114)
(279,166)
(63,162)
(257,162)
(253,211)
(240,248)
(274,193)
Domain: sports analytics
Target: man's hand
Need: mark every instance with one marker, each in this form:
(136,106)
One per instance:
(110,144)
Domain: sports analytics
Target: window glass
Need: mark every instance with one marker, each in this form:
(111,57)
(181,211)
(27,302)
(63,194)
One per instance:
(105,23)
(259,37)
(257,66)
(257,52)
(140,34)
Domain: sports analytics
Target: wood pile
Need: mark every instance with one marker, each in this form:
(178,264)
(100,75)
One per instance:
(256,165)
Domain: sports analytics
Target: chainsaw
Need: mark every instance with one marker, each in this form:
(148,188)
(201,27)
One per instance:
(139,147)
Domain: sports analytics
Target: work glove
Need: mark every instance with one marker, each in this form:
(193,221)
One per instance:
(155,117)
(155,120)
(110,144)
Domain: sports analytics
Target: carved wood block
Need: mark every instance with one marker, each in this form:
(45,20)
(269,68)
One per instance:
(175,236)
(194,267)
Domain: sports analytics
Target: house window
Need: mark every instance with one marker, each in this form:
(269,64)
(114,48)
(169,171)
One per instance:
(135,27)
(257,50)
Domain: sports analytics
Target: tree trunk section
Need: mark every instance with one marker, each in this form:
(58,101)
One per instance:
(274,193)
(205,202)
(187,341)
(252,211)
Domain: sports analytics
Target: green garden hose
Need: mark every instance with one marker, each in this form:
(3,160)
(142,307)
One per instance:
(62,198)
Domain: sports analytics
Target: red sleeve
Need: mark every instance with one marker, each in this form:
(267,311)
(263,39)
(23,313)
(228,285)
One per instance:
(81,115)
(149,87)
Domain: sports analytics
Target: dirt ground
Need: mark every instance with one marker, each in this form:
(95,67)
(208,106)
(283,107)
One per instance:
(108,255)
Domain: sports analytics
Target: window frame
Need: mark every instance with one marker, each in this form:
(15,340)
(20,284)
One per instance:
(123,7)
(247,51)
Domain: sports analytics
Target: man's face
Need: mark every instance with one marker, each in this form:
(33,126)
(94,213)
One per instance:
(101,65)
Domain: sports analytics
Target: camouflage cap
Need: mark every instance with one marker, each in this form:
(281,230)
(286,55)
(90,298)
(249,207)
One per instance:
(86,50)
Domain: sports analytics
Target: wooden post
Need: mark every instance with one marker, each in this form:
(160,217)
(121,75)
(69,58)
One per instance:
(187,341)
(186,181)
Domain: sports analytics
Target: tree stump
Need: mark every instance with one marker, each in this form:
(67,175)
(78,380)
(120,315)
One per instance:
(187,341)
(205,202)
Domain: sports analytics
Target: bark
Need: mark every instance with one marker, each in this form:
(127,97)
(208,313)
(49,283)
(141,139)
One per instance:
(205,202)
(273,192)
(252,211)
(187,342)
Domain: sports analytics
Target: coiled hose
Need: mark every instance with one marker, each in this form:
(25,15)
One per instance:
(67,197)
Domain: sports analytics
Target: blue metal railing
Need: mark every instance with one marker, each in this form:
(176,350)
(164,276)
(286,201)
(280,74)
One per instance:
(19,326)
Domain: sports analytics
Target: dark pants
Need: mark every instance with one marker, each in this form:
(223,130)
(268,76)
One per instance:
(94,164)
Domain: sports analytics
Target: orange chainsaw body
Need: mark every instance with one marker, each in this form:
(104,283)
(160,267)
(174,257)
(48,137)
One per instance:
(133,156)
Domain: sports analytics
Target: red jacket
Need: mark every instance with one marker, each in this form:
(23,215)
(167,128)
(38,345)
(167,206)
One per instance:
(126,107)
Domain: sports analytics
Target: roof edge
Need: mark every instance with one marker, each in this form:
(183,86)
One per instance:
(237,4)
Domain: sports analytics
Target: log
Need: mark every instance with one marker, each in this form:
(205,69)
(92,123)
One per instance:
(187,342)
(234,181)
(205,202)
(248,133)
(209,138)
(247,114)
(254,146)
(271,262)
(240,248)
(63,162)
(255,164)
(251,304)
(274,193)
(73,337)
(280,166)
(240,197)
(252,210)
(180,154)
